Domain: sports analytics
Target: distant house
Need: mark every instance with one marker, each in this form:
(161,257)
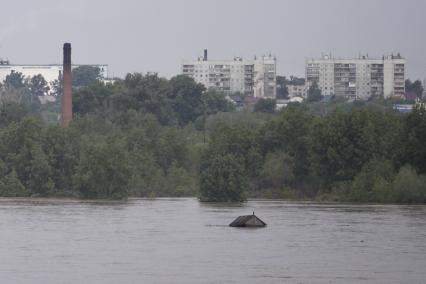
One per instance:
(297,90)
(410,96)
(249,100)
(284,103)
(248,221)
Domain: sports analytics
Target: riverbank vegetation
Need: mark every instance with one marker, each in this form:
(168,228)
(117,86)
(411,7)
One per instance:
(146,136)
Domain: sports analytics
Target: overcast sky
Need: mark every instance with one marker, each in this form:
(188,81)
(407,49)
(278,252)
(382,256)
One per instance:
(155,35)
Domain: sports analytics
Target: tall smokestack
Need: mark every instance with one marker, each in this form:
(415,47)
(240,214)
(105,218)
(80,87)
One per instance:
(67,88)
(205,54)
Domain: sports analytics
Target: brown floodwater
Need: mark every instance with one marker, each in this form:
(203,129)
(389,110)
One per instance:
(184,241)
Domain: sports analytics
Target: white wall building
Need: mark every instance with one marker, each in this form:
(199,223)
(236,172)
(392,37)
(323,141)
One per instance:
(265,77)
(297,90)
(250,77)
(50,72)
(358,78)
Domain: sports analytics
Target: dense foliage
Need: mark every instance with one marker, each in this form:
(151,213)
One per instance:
(415,87)
(265,105)
(363,154)
(314,93)
(149,136)
(85,75)
(135,137)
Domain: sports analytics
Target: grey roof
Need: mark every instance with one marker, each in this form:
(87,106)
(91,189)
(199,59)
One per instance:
(248,221)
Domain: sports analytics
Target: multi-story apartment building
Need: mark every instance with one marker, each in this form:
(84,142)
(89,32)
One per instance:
(50,72)
(265,77)
(359,78)
(250,77)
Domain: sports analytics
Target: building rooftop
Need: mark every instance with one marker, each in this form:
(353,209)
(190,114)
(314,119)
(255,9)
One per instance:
(248,221)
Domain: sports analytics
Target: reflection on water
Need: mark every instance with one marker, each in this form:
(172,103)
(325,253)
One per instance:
(184,241)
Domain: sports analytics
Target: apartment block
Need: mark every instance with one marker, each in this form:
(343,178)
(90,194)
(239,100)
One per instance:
(250,77)
(358,78)
(265,77)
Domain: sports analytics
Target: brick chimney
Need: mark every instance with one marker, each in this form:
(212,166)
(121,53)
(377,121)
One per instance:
(67,87)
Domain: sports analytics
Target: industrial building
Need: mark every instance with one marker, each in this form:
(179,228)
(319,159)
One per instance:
(250,77)
(359,78)
(50,72)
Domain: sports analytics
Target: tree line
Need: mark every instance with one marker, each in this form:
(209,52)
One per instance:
(140,136)
(361,154)
(148,136)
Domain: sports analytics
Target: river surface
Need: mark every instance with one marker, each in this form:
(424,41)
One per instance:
(184,241)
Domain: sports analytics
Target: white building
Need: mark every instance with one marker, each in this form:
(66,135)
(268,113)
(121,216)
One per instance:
(50,72)
(265,77)
(250,77)
(297,90)
(358,78)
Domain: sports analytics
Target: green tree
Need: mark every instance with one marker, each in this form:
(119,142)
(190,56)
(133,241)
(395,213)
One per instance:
(12,112)
(149,94)
(62,149)
(93,99)
(38,173)
(343,142)
(290,132)
(38,86)
(15,80)
(21,150)
(314,93)
(85,75)
(277,170)
(408,186)
(415,87)
(265,105)
(186,96)
(11,186)
(57,87)
(222,179)
(240,141)
(103,171)
(365,184)
(282,91)
(414,147)
(215,102)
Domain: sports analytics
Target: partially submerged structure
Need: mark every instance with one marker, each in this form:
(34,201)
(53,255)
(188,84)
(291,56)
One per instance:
(248,221)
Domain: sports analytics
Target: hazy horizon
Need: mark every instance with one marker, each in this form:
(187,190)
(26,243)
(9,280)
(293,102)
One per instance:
(155,36)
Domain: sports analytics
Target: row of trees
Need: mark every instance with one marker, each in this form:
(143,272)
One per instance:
(15,82)
(149,136)
(24,90)
(361,154)
(141,136)
(178,101)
